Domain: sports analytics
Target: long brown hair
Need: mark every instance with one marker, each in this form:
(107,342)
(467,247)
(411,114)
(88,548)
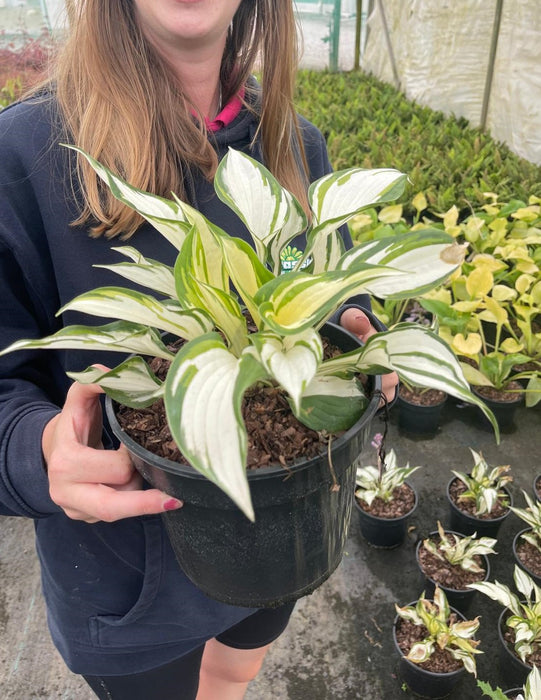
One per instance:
(121,104)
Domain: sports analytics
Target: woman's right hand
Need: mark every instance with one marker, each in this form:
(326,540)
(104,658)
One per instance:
(86,481)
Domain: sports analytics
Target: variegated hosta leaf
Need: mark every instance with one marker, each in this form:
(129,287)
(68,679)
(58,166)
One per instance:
(119,336)
(247,273)
(129,305)
(332,404)
(144,271)
(165,215)
(421,651)
(326,252)
(419,357)
(525,584)
(337,197)
(131,383)
(203,396)
(423,258)
(533,684)
(296,301)
(292,361)
(271,214)
(500,593)
(408,613)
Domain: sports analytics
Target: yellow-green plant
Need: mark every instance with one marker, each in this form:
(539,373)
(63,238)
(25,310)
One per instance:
(532,517)
(443,631)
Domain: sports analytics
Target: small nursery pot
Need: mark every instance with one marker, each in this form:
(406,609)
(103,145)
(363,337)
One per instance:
(504,411)
(419,420)
(536,493)
(422,682)
(467,524)
(516,542)
(384,533)
(461,598)
(302,516)
(514,670)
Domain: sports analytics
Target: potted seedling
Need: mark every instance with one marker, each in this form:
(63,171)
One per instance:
(527,542)
(531,690)
(452,561)
(519,626)
(479,501)
(239,329)
(384,500)
(420,409)
(436,645)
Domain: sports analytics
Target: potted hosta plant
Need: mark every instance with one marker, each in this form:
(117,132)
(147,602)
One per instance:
(479,501)
(243,328)
(384,500)
(420,409)
(531,690)
(527,542)
(436,645)
(452,561)
(519,626)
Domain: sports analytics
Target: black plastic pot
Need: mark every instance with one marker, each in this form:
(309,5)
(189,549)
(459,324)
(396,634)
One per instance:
(384,533)
(419,420)
(504,411)
(467,524)
(301,521)
(422,682)
(536,495)
(460,599)
(514,670)
(516,542)
(513,693)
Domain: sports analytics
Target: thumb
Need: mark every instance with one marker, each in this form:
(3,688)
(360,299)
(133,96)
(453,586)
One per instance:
(84,410)
(357,322)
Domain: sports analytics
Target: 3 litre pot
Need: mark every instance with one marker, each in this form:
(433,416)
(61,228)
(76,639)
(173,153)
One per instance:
(384,533)
(504,411)
(423,682)
(417,419)
(302,516)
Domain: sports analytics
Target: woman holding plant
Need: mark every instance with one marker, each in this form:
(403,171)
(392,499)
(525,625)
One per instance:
(157,90)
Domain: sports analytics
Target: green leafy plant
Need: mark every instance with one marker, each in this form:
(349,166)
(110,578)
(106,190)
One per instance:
(218,280)
(525,612)
(460,551)
(532,517)
(484,485)
(443,631)
(381,481)
(531,689)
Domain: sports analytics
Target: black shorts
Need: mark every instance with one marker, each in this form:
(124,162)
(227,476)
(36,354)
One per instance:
(179,679)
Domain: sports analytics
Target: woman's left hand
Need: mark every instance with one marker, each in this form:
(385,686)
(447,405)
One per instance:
(357,322)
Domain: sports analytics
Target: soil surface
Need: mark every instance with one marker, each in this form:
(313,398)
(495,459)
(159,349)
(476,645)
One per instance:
(275,436)
(511,394)
(457,487)
(422,397)
(440,661)
(443,572)
(530,556)
(401,503)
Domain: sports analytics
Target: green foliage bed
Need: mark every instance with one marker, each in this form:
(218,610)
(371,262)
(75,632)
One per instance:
(368,123)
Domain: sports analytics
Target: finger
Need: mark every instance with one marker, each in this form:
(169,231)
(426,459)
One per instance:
(97,502)
(357,322)
(84,409)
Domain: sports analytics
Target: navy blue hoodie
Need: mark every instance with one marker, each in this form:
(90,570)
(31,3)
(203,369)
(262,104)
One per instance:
(117,600)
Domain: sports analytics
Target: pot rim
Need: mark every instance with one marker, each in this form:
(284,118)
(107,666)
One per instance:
(187,471)
(523,566)
(516,402)
(401,399)
(474,517)
(445,674)
(391,520)
(446,588)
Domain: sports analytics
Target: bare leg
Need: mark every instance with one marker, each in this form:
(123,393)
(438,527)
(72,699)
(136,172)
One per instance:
(226,672)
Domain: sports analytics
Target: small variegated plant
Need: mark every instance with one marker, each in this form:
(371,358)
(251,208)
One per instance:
(442,631)
(484,485)
(524,612)
(218,280)
(531,689)
(382,480)
(460,551)
(532,517)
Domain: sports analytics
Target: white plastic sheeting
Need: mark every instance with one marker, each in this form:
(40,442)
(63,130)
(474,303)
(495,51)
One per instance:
(441,51)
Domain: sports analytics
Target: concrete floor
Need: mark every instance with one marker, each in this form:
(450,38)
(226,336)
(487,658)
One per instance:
(338,645)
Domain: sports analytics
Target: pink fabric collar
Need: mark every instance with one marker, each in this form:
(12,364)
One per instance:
(228,113)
